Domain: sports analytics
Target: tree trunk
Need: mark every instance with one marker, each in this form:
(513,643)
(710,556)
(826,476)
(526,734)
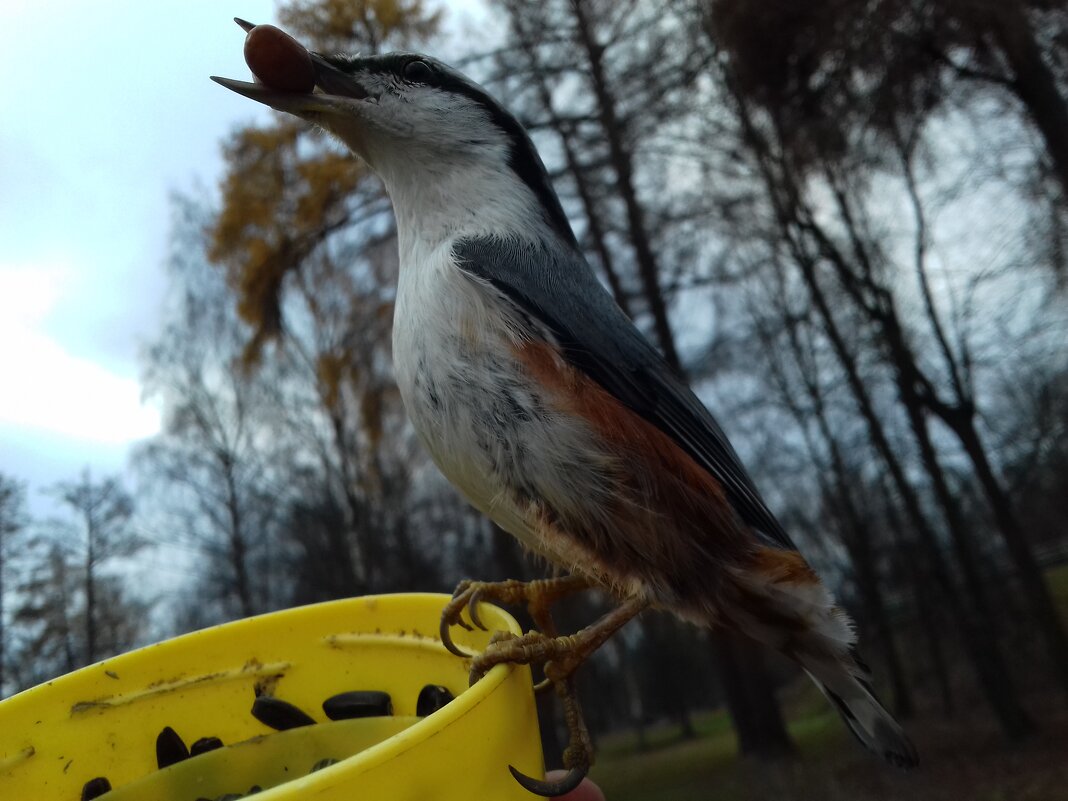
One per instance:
(571,159)
(875,610)
(3,628)
(1014,720)
(985,655)
(90,591)
(354,512)
(238,545)
(908,564)
(1034,83)
(686,729)
(989,664)
(752,704)
(855,533)
(917,395)
(622,165)
(632,692)
(1046,616)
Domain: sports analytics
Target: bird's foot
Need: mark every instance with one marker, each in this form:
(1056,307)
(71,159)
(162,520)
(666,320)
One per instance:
(560,658)
(578,755)
(538,596)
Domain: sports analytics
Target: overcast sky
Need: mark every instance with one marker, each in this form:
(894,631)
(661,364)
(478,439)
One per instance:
(105,108)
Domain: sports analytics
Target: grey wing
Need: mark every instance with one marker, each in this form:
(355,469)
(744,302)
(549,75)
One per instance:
(558,290)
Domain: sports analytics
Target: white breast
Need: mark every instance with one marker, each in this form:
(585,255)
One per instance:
(487,424)
(457,378)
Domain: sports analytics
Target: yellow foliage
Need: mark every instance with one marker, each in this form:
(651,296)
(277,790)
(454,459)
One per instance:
(285,193)
(353,26)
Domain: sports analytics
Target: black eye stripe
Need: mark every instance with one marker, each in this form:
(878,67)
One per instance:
(523,158)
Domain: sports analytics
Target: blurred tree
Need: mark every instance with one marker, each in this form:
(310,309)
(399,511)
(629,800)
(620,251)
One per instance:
(288,194)
(831,67)
(1036,401)
(12,525)
(101,512)
(675,678)
(820,217)
(69,609)
(796,368)
(212,464)
(828,76)
(815,250)
(337,26)
(50,614)
(305,231)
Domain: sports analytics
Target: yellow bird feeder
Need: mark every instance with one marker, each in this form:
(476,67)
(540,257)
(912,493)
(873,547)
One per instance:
(103,721)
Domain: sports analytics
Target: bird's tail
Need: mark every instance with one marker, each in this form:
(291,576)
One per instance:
(844,680)
(786,606)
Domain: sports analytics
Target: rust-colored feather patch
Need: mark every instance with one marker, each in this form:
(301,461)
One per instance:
(671,524)
(783,567)
(579,394)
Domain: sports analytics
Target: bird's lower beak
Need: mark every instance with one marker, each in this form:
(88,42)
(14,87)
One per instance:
(292,102)
(333,90)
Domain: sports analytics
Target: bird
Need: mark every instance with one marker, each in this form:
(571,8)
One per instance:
(540,400)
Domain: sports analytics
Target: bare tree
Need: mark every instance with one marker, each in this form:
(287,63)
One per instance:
(101,514)
(49,615)
(795,367)
(12,525)
(211,466)
(819,259)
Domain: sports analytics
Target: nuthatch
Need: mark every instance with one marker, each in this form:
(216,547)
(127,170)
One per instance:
(545,406)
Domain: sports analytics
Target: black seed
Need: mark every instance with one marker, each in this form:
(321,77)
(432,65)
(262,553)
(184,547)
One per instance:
(94,788)
(254,789)
(229,797)
(205,744)
(279,714)
(170,748)
(323,763)
(358,704)
(432,698)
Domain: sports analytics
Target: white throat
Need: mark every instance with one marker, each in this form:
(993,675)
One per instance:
(437,202)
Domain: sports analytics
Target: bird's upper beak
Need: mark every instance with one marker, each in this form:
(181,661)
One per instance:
(334,90)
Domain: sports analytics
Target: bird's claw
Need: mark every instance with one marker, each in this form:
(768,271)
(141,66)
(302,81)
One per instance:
(446,640)
(452,615)
(552,789)
(558,656)
(472,607)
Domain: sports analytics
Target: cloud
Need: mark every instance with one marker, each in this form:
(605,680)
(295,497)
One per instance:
(45,386)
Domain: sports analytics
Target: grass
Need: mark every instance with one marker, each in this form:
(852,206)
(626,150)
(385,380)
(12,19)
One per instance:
(671,769)
(1057,579)
(963,758)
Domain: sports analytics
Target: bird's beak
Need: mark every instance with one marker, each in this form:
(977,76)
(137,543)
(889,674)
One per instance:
(334,90)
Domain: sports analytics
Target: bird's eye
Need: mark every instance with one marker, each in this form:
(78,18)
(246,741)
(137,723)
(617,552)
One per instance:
(418,71)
